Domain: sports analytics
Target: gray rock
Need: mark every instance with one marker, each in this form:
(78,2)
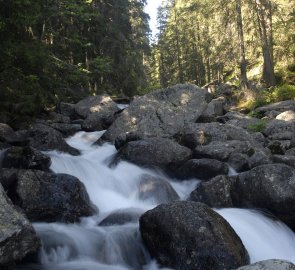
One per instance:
(5,132)
(45,138)
(66,129)
(8,178)
(239,162)
(280,130)
(95,104)
(270,187)
(290,152)
(281,106)
(155,152)
(156,189)
(223,150)
(67,109)
(288,160)
(195,134)
(51,197)
(238,119)
(214,109)
(279,147)
(259,158)
(99,120)
(161,113)
(17,236)
(269,265)
(122,216)
(189,235)
(203,169)
(259,137)
(124,138)
(59,118)
(215,193)
(25,158)
(286,116)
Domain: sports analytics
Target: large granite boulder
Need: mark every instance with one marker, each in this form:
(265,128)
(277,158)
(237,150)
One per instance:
(189,235)
(25,158)
(281,106)
(17,236)
(161,113)
(5,132)
(155,152)
(203,169)
(269,265)
(194,134)
(270,187)
(50,197)
(45,138)
(95,104)
(280,130)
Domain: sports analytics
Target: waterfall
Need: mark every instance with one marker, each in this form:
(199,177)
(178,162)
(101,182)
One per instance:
(88,245)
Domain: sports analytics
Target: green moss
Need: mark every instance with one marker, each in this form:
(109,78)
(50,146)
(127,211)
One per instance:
(259,127)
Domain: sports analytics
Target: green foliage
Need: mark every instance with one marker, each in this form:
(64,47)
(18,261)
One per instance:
(283,92)
(259,127)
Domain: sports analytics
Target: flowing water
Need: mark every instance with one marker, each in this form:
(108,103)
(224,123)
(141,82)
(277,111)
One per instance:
(89,246)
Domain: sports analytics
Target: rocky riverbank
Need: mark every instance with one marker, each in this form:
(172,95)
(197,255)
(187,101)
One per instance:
(182,131)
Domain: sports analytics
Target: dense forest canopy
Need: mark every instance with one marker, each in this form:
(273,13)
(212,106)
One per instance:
(65,50)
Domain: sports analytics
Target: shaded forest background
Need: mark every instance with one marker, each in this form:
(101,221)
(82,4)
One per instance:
(54,50)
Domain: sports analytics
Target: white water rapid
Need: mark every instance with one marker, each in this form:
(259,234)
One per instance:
(88,246)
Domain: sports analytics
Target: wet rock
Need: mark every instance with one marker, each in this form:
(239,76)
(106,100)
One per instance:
(215,193)
(5,132)
(161,113)
(156,189)
(269,265)
(95,104)
(270,187)
(25,158)
(51,197)
(286,116)
(203,169)
(66,129)
(189,235)
(8,178)
(122,216)
(45,138)
(124,138)
(66,109)
(155,152)
(17,236)
(99,120)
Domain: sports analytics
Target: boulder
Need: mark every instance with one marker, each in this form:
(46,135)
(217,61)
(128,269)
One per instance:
(49,197)
(156,189)
(215,193)
(279,147)
(66,109)
(8,180)
(17,236)
(286,116)
(281,106)
(194,134)
(290,152)
(223,150)
(288,160)
(161,113)
(122,216)
(203,169)
(189,235)
(99,120)
(66,129)
(45,138)
(270,187)
(239,162)
(95,104)
(259,158)
(6,132)
(269,265)
(124,138)
(155,152)
(25,158)
(238,119)
(279,130)
(214,109)
(59,118)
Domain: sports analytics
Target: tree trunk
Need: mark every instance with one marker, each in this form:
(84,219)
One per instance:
(263,8)
(243,64)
